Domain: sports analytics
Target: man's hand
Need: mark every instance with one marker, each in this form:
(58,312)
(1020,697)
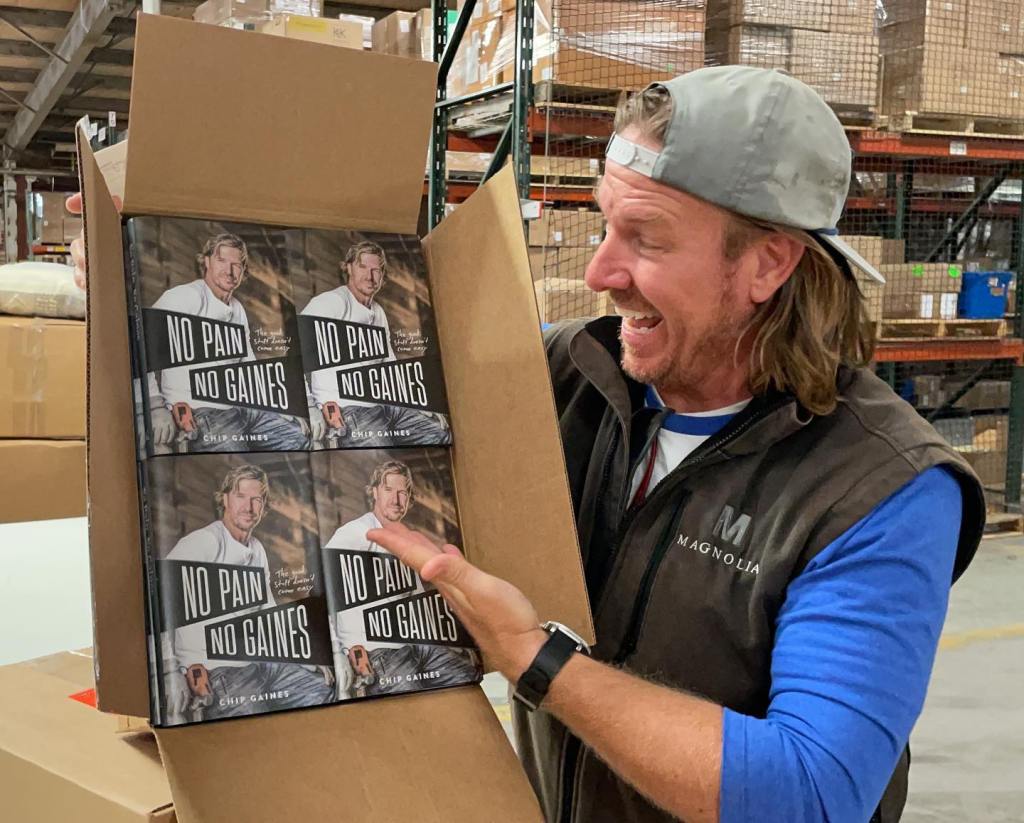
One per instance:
(502,621)
(327,672)
(164,430)
(74,205)
(317,425)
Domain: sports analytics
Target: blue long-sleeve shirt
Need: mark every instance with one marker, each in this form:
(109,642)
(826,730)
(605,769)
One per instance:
(854,647)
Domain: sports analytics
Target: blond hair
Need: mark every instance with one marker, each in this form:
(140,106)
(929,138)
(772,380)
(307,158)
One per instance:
(232,241)
(232,480)
(380,473)
(815,322)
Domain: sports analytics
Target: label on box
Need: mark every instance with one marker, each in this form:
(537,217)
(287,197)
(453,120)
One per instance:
(557,236)
(953,271)
(595,164)
(87,697)
(927,307)
(112,118)
(594,240)
(917,270)
(957,148)
(947,305)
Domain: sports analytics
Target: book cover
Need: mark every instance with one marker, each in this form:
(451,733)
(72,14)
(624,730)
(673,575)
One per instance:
(369,341)
(217,337)
(235,585)
(391,632)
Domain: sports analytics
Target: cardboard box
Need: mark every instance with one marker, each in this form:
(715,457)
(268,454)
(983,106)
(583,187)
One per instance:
(567,227)
(477,64)
(985,394)
(573,261)
(59,757)
(447,745)
(840,16)
(990,466)
(623,44)
(996,26)
(316,30)
(842,68)
(41,480)
(394,34)
(924,305)
(220,12)
(914,278)
(42,378)
(52,214)
(874,296)
(939,15)
(868,246)
(543,262)
(893,251)
(567,298)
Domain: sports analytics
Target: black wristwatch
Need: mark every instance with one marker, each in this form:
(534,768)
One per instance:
(534,683)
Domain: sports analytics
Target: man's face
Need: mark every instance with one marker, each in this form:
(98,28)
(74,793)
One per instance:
(365,276)
(223,269)
(244,505)
(391,498)
(684,304)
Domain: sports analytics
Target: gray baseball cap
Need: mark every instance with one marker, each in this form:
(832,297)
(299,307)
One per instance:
(757,142)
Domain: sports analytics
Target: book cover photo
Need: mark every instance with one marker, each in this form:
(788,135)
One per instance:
(391,632)
(235,584)
(217,336)
(369,341)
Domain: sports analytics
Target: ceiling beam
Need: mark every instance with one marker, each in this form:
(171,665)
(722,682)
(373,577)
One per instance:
(22,48)
(88,23)
(60,19)
(111,81)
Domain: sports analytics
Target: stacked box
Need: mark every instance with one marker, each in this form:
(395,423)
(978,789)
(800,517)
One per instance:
(561,298)
(837,16)
(344,33)
(927,291)
(953,57)
(405,34)
(623,44)
(236,13)
(842,68)
(567,227)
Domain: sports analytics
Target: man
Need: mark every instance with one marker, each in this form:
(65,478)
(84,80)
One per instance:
(206,426)
(388,668)
(768,584)
(768,532)
(351,422)
(241,503)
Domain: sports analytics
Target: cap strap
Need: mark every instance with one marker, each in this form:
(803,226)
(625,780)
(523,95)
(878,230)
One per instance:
(631,155)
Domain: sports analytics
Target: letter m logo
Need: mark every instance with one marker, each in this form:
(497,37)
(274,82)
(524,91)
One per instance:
(730,527)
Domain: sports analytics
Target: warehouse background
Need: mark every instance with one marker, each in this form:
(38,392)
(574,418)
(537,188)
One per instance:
(929,92)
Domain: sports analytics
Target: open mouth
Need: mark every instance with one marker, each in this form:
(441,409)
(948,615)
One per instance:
(638,321)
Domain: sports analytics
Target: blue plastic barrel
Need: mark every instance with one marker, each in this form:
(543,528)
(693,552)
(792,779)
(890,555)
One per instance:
(983,294)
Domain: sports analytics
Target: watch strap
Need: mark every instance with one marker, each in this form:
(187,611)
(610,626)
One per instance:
(535,682)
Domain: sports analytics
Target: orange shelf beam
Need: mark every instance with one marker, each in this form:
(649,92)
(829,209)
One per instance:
(949,348)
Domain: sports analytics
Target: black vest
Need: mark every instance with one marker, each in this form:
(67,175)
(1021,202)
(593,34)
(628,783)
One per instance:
(694,600)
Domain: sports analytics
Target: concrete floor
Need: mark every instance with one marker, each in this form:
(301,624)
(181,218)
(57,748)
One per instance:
(968,747)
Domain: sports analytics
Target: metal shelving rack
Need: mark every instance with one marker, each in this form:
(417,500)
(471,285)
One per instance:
(897,154)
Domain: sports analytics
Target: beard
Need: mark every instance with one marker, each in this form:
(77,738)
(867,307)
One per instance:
(693,356)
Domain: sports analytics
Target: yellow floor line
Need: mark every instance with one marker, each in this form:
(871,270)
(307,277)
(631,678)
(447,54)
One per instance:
(957,640)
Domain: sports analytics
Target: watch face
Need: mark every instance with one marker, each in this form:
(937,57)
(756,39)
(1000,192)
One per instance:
(552,626)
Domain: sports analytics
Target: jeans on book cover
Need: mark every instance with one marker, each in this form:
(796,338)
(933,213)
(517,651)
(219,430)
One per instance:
(265,687)
(416,667)
(381,426)
(237,429)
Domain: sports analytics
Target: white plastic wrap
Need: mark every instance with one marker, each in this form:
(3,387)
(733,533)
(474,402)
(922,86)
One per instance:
(40,290)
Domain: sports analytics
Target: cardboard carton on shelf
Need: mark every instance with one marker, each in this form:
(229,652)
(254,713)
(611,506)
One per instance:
(446,745)
(53,215)
(42,378)
(315,30)
(228,12)
(566,298)
(996,26)
(405,34)
(914,278)
(842,68)
(567,227)
(840,16)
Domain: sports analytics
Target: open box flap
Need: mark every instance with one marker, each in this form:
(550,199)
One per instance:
(242,126)
(115,557)
(430,757)
(513,492)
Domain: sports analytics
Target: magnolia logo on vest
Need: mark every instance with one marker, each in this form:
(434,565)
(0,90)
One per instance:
(728,529)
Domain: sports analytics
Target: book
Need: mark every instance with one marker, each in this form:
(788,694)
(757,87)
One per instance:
(235,588)
(369,341)
(215,337)
(391,632)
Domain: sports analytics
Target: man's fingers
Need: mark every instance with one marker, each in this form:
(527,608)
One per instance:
(408,546)
(448,548)
(74,203)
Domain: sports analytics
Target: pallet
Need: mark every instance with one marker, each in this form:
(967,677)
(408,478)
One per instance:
(854,118)
(550,93)
(1003,524)
(918,328)
(956,124)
